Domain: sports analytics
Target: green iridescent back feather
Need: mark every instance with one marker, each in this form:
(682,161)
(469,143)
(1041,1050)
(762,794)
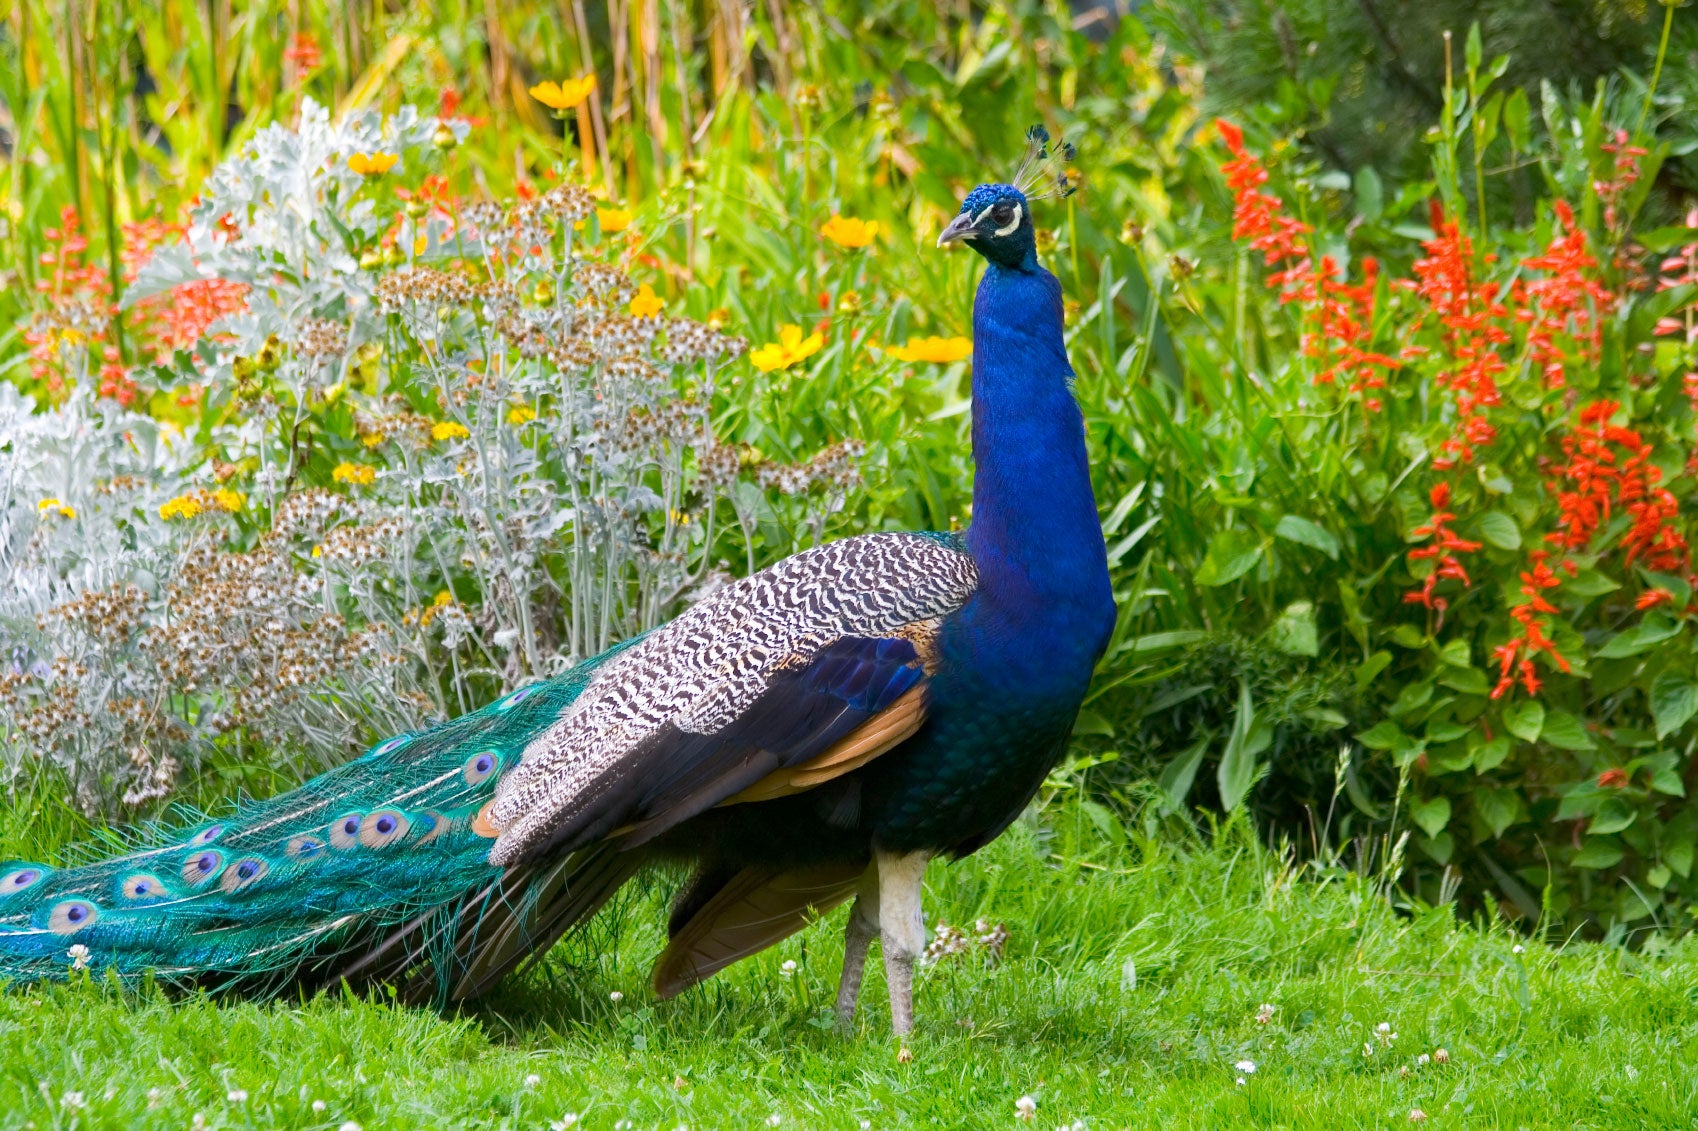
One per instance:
(255,897)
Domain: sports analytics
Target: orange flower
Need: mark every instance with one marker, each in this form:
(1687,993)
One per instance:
(372,164)
(1651,598)
(1613,778)
(564,95)
(846,231)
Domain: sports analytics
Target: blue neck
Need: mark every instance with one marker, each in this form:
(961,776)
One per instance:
(1035,535)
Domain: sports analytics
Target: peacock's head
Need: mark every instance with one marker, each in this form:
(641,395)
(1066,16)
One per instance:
(997,219)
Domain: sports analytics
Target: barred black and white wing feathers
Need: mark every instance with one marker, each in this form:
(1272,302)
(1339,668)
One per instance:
(776,683)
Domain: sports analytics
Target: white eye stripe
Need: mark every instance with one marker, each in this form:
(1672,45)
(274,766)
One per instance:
(1012,224)
(980,218)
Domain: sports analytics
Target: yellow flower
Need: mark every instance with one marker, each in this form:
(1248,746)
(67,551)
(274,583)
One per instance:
(372,164)
(613,219)
(443,597)
(229,500)
(183,506)
(790,348)
(521,414)
(372,439)
(318,550)
(846,231)
(647,304)
(357,474)
(57,507)
(932,349)
(449,430)
(564,95)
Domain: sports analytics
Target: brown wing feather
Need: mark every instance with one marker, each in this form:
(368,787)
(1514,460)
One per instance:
(756,908)
(879,734)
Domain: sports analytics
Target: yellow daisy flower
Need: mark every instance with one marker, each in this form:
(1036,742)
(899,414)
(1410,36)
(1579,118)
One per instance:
(647,304)
(566,94)
(790,348)
(846,231)
(942,350)
(449,430)
(372,164)
(354,474)
(183,506)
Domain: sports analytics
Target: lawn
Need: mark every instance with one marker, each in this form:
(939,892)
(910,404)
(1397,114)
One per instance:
(1128,996)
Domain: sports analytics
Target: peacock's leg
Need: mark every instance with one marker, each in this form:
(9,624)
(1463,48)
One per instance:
(900,879)
(857,936)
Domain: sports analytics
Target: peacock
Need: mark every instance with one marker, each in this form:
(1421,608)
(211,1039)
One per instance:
(813,733)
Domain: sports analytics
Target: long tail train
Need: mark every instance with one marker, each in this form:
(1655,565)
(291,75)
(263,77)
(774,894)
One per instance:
(374,871)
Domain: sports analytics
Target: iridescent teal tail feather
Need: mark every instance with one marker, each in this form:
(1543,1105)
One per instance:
(297,888)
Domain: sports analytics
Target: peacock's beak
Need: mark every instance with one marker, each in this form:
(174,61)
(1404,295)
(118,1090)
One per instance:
(960,228)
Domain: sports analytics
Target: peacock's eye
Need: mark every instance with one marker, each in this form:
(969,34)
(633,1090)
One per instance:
(1002,214)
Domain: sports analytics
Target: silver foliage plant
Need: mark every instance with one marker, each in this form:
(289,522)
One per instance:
(442,454)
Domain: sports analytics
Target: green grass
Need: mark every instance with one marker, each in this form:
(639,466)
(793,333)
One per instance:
(1130,988)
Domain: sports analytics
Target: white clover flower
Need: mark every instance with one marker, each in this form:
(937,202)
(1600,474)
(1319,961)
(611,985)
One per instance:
(1441,1056)
(1516,949)
(616,997)
(73,1101)
(1416,1115)
(1422,1060)
(532,1080)
(154,1095)
(774,1119)
(1239,1081)
(236,1096)
(1264,1013)
(350,1125)
(788,969)
(563,1122)
(1025,1108)
(318,1107)
(78,955)
(1248,1067)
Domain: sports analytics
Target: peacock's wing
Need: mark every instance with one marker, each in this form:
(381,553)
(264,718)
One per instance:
(774,684)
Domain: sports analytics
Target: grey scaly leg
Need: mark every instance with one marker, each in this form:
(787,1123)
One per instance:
(857,936)
(900,879)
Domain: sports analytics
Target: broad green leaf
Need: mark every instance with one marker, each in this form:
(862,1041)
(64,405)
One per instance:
(1642,637)
(1413,697)
(1408,636)
(1306,533)
(1090,722)
(1677,854)
(1440,847)
(1383,735)
(1354,622)
(1516,118)
(1368,670)
(1498,808)
(1612,816)
(1232,554)
(1177,776)
(1469,681)
(1565,732)
(1455,653)
(1500,530)
(1589,583)
(1490,755)
(1294,633)
(1370,194)
(1598,854)
(1666,779)
(1431,815)
(1238,770)
(1674,700)
(1525,719)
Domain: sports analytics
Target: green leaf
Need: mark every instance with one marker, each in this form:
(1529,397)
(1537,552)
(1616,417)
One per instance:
(1612,816)
(1597,854)
(1154,642)
(1642,637)
(1090,722)
(1370,194)
(1472,49)
(1565,732)
(1666,779)
(1383,735)
(1354,622)
(1677,854)
(1294,633)
(1490,755)
(1455,653)
(1237,771)
(1674,700)
(1517,115)
(1306,533)
(1525,719)
(1431,815)
(1413,697)
(1177,776)
(1408,636)
(1469,681)
(1498,808)
(1440,847)
(1232,554)
(1590,583)
(1369,669)
(1500,530)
